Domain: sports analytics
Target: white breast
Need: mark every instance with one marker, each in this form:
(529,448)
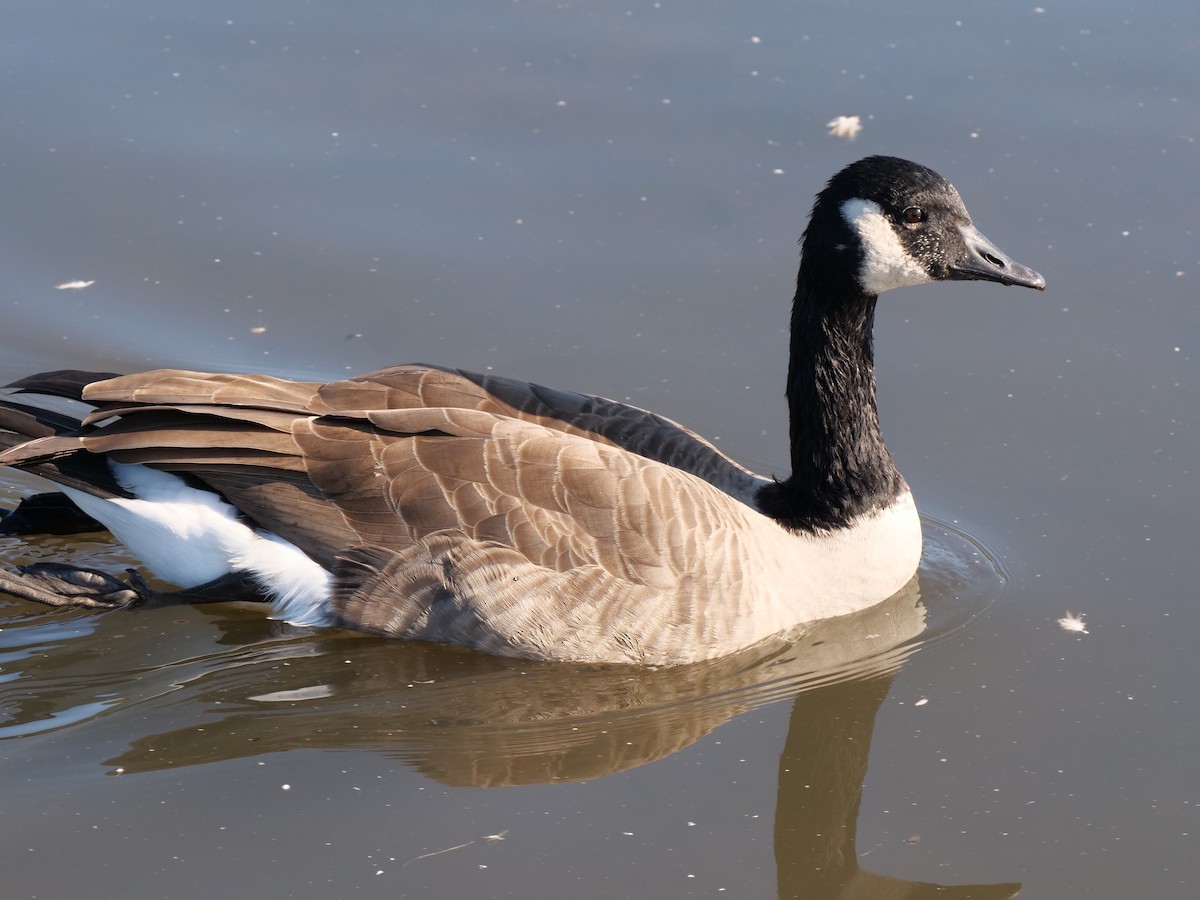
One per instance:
(838,572)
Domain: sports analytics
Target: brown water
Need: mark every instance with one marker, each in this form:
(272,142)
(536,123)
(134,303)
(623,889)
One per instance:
(607,199)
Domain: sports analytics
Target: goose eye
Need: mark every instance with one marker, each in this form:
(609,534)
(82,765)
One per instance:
(914,215)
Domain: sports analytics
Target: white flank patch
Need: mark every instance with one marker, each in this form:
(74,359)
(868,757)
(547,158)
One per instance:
(886,264)
(189,537)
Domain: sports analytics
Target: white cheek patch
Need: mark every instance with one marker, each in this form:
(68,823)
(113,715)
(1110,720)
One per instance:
(885,264)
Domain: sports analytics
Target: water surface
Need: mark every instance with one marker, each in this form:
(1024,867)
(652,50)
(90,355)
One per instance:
(607,199)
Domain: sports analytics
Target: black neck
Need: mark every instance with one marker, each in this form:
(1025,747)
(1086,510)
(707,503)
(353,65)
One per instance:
(840,466)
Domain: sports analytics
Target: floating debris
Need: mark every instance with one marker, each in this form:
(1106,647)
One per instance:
(487,837)
(315,692)
(259,329)
(1072,622)
(77,285)
(845,127)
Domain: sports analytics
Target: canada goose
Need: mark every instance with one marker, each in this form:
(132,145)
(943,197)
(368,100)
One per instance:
(436,504)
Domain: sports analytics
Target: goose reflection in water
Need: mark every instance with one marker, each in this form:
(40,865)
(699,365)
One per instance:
(470,720)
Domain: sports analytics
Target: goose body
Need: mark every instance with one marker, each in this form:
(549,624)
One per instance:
(435,504)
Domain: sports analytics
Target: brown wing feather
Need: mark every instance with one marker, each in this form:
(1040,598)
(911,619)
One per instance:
(416,386)
(509,462)
(449,506)
(636,430)
(502,526)
(176,387)
(274,419)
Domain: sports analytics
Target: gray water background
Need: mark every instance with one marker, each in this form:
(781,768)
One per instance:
(607,198)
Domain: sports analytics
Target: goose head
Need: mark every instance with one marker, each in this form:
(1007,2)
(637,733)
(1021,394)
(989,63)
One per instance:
(880,223)
(902,224)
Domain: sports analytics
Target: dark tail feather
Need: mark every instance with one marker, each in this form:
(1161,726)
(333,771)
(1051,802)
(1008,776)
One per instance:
(38,438)
(48,513)
(68,383)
